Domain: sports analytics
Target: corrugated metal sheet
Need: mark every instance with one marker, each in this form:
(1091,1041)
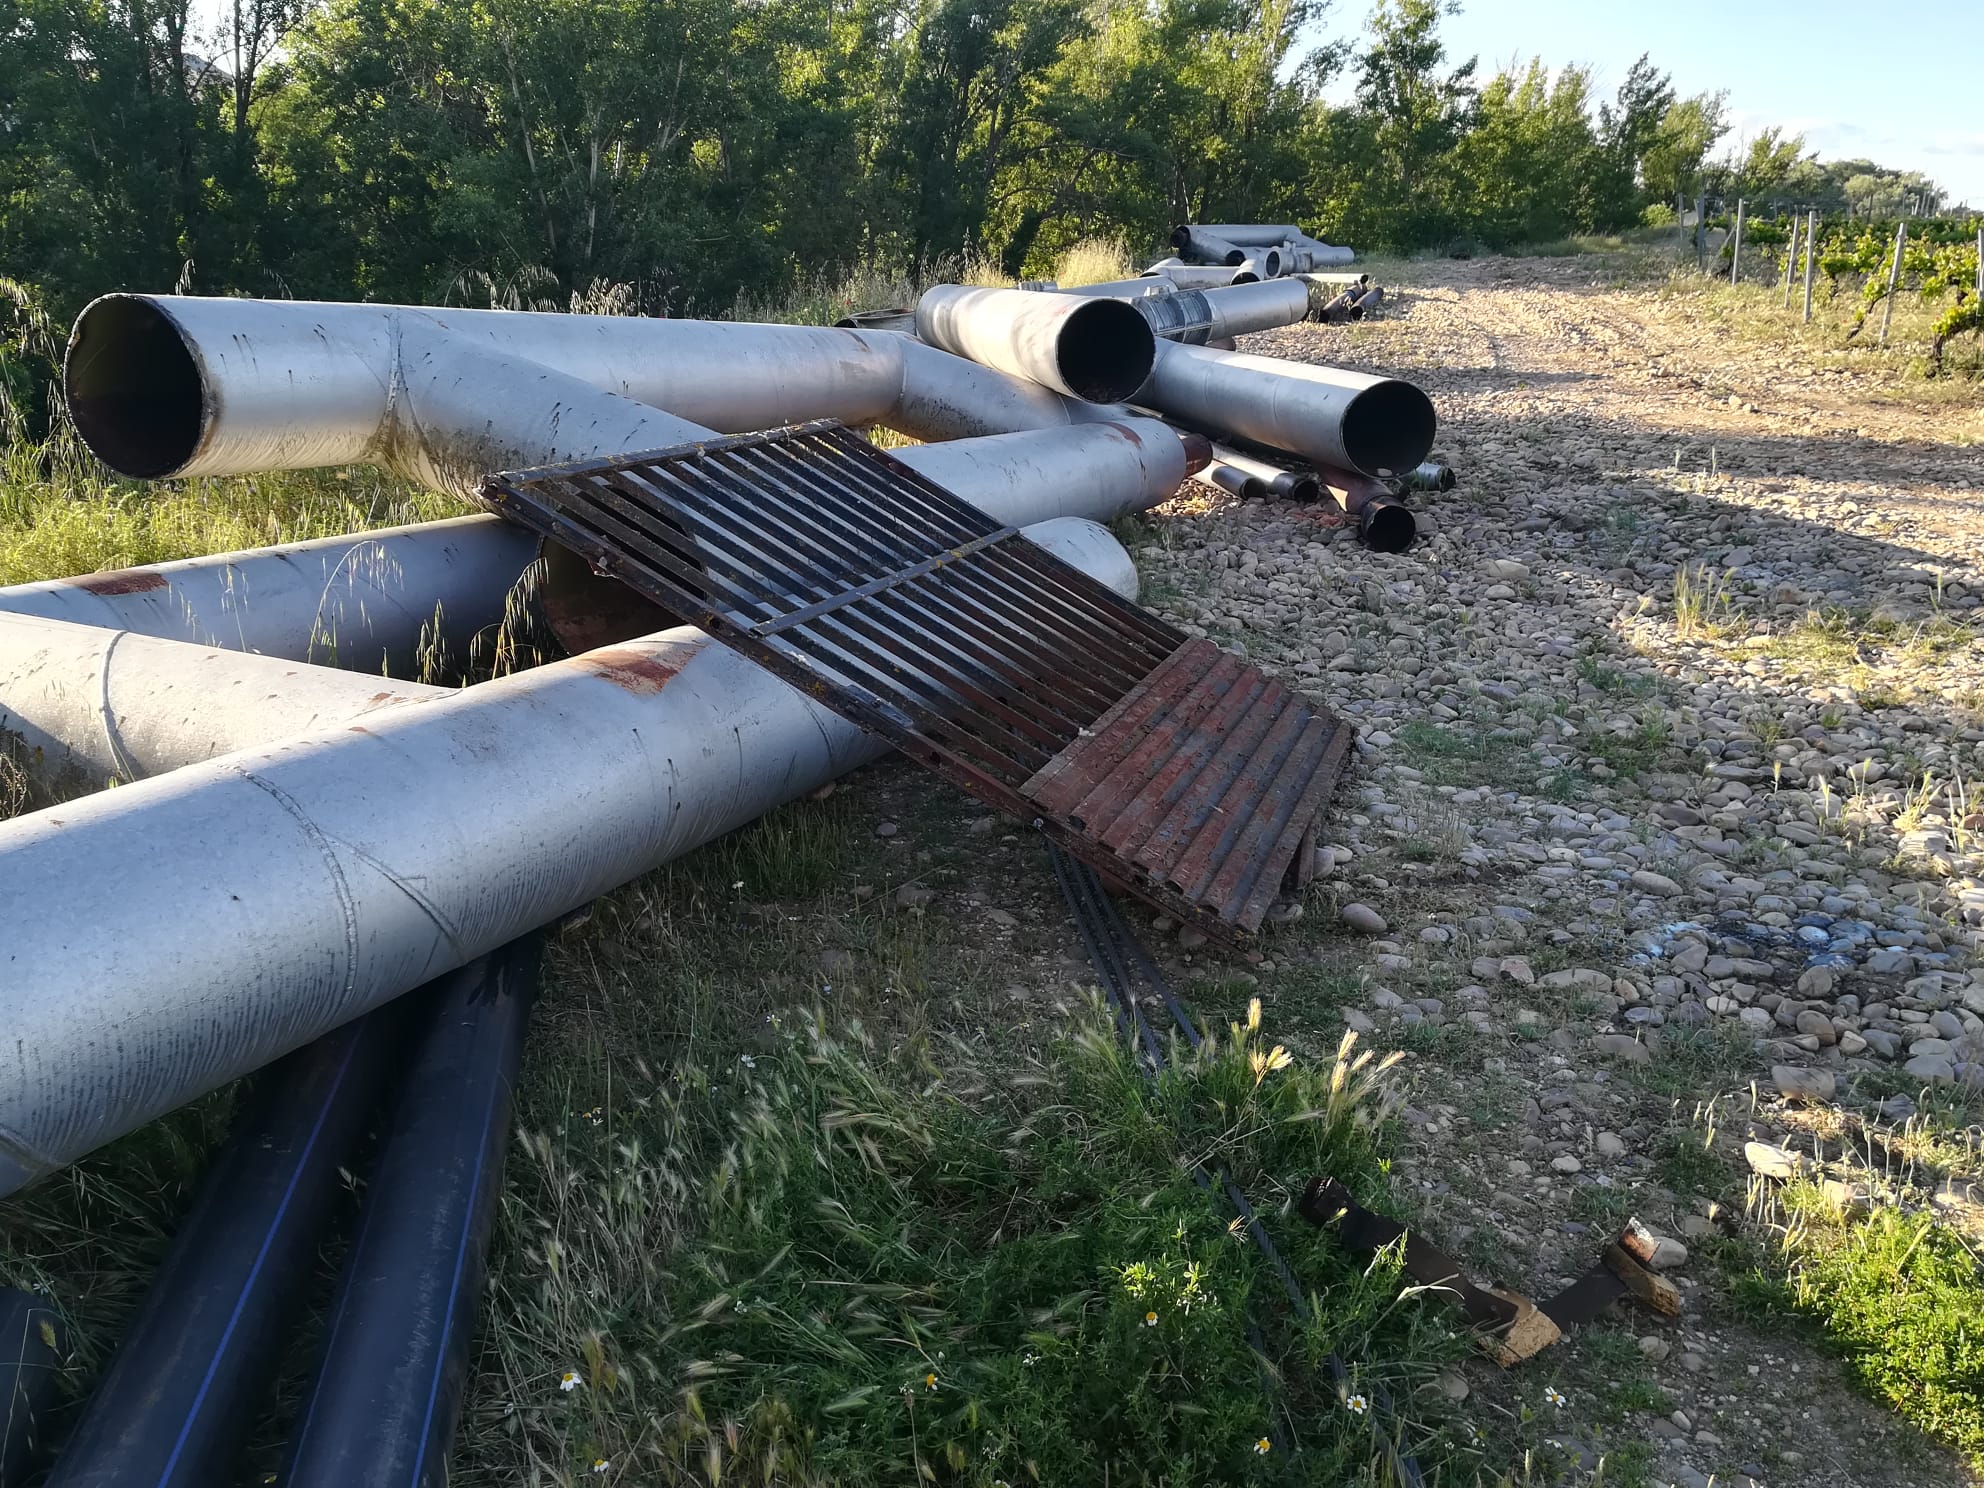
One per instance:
(1207,778)
(1178,771)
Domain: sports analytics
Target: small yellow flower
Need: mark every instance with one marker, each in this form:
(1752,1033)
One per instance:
(600,1464)
(1263,1447)
(570,1381)
(1254,1015)
(930,1381)
(1358,1404)
(1555,1396)
(1150,1320)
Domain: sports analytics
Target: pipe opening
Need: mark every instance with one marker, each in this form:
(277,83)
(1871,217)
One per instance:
(1271,261)
(133,387)
(1106,350)
(1388,428)
(1387,527)
(586,611)
(1303,488)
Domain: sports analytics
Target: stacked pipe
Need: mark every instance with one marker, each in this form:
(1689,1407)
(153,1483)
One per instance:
(323,841)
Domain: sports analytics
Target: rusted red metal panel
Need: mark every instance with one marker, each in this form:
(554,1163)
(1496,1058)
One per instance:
(1170,766)
(1206,780)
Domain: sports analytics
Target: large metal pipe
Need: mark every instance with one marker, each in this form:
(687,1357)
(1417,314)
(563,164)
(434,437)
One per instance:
(387,384)
(1313,253)
(1196,316)
(33,1349)
(174,385)
(379,602)
(1196,245)
(1260,263)
(1246,308)
(1328,416)
(90,706)
(1252,234)
(195,1364)
(222,914)
(1190,276)
(383,1408)
(1093,348)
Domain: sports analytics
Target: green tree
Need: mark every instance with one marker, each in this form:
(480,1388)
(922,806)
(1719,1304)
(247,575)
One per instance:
(1674,162)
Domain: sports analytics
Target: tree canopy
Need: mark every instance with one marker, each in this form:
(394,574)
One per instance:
(668,154)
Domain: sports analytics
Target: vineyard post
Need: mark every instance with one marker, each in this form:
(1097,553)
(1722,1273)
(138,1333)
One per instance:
(1736,243)
(1701,231)
(1894,278)
(1790,262)
(1980,279)
(1811,242)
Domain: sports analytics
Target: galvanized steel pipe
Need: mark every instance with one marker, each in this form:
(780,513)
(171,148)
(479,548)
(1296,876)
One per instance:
(92,706)
(1375,425)
(214,918)
(177,385)
(1197,245)
(369,601)
(1092,348)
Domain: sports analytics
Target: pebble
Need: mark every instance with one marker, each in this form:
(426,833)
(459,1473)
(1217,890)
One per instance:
(1656,883)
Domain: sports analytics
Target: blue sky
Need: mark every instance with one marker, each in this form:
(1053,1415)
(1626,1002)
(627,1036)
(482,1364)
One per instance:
(1913,100)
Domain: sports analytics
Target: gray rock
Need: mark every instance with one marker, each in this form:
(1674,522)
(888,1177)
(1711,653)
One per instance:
(1772,1161)
(1800,1083)
(1656,883)
(1931,1069)
(1622,1046)
(1363,918)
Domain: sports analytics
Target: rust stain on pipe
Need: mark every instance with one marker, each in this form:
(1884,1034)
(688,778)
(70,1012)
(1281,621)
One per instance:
(639,672)
(121,581)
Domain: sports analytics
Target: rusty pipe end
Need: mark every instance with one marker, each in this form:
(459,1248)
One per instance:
(1385,525)
(1198,450)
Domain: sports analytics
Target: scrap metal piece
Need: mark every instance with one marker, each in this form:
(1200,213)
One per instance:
(1180,772)
(1510,1327)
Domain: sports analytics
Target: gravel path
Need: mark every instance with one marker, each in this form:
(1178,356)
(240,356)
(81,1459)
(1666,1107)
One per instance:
(1607,859)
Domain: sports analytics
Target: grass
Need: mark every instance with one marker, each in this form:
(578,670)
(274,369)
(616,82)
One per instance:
(1456,754)
(1702,603)
(1093,261)
(1897,1296)
(846,1259)
(61,513)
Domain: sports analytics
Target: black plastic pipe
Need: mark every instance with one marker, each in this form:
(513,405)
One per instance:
(198,1360)
(382,1410)
(33,1346)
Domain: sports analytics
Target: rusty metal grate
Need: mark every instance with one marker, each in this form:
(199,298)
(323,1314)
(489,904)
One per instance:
(983,657)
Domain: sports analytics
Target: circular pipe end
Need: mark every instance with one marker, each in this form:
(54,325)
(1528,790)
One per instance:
(134,387)
(1105,350)
(1271,261)
(1246,276)
(1181,236)
(1235,258)
(1304,488)
(1387,527)
(1388,428)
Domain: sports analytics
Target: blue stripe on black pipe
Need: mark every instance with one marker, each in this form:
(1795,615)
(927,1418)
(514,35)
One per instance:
(197,1361)
(382,1410)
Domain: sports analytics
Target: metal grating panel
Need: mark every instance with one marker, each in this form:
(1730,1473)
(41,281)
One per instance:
(983,657)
